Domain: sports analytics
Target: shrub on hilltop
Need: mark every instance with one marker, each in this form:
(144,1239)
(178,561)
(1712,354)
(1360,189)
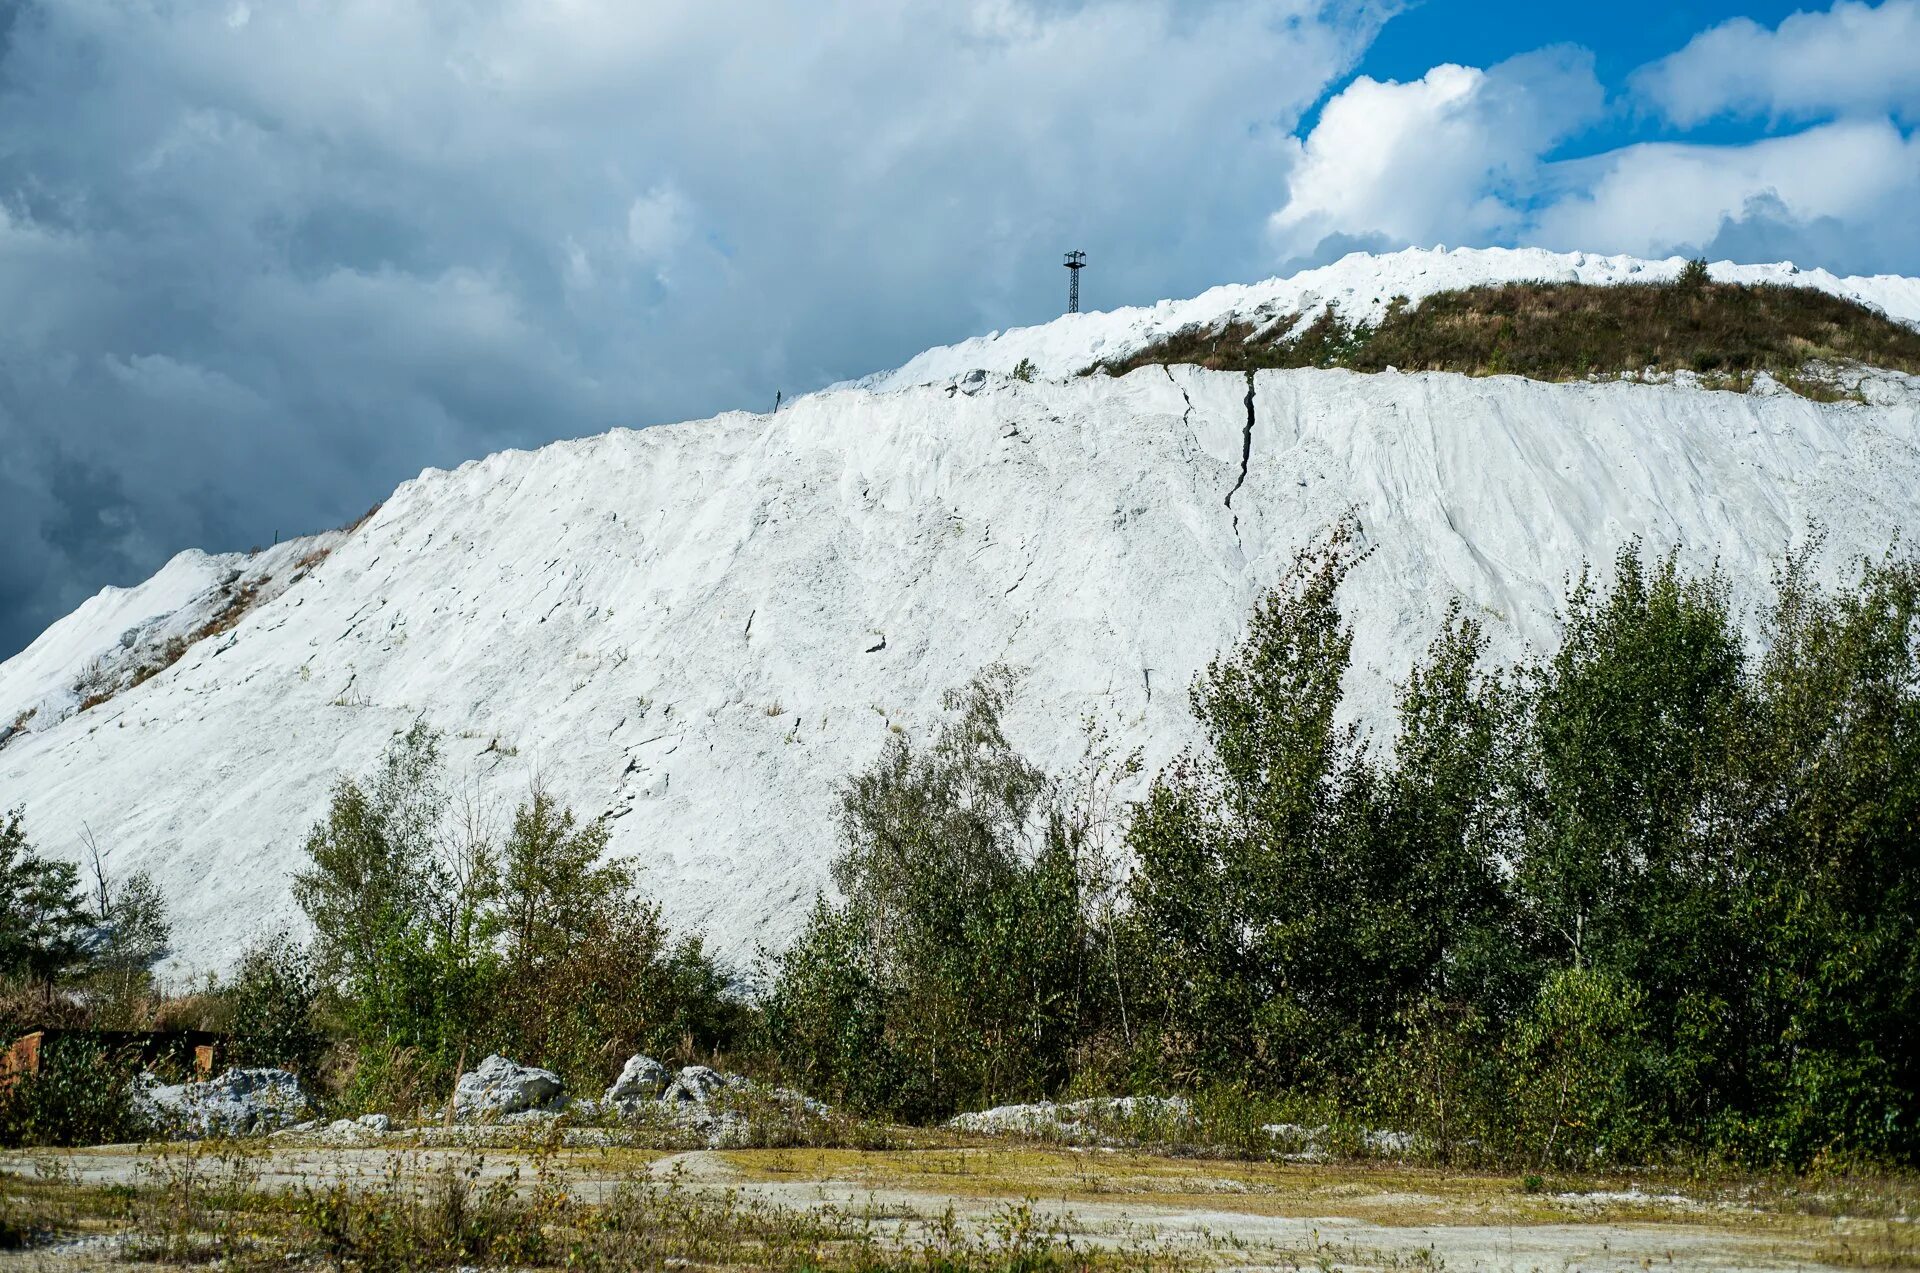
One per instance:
(1568,331)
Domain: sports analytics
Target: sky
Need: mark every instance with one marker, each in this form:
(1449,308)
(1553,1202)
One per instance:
(262,260)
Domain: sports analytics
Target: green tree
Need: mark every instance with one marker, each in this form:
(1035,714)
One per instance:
(1835,896)
(1637,819)
(136,930)
(1447,829)
(554,883)
(44,927)
(374,871)
(398,895)
(1252,881)
(593,972)
(271,1001)
(961,964)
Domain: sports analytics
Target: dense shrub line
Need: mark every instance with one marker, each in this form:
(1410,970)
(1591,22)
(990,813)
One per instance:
(1651,891)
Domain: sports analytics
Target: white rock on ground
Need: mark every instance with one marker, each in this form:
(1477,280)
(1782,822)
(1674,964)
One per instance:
(641,1079)
(1096,1119)
(698,630)
(498,1088)
(697,1084)
(367,1127)
(236,1103)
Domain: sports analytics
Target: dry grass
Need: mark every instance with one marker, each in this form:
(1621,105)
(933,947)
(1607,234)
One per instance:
(219,1204)
(947,1207)
(1727,333)
(363,519)
(95,689)
(311,560)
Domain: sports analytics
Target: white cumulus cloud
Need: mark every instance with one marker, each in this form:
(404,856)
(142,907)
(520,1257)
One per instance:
(1448,156)
(1468,156)
(1852,59)
(1657,198)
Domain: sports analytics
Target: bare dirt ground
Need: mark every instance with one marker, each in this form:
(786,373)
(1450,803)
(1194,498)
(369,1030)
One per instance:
(1203,1213)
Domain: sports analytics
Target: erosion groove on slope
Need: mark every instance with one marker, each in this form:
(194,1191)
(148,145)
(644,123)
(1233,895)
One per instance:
(1246,452)
(1186,413)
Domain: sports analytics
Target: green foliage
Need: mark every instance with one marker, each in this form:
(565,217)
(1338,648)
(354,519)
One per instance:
(1835,901)
(1244,888)
(1024,370)
(1568,331)
(435,943)
(1633,719)
(1292,896)
(397,901)
(593,971)
(377,863)
(554,884)
(1693,275)
(1651,890)
(965,962)
(131,935)
(80,1096)
(43,920)
(136,928)
(1572,1058)
(271,1000)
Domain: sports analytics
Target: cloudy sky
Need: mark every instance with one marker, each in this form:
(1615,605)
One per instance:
(260,260)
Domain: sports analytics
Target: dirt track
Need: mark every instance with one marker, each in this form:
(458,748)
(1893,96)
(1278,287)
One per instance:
(1230,1214)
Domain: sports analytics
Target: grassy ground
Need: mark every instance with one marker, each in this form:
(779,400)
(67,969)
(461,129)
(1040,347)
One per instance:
(932,1202)
(1567,331)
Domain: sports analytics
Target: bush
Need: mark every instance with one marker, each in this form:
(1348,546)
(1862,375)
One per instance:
(80,1096)
(1572,1058)
(270,1002)
(435,943)
(966,961)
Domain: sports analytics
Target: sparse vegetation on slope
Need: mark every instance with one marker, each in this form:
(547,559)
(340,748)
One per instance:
(1568,331)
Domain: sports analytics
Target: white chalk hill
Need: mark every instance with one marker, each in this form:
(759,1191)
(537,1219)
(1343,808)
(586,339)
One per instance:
(699,629)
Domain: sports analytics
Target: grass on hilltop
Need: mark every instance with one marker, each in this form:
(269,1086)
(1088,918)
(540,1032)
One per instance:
(1725,332)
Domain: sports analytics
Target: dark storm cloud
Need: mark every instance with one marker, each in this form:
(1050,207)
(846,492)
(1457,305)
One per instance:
(262,262)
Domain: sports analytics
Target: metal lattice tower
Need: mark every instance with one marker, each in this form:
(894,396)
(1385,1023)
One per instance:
(1076,261)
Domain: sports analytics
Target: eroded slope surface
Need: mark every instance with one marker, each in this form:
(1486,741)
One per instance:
(699,629)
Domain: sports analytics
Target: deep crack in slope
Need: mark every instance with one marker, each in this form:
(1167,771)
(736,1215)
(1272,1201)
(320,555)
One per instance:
(1246,454)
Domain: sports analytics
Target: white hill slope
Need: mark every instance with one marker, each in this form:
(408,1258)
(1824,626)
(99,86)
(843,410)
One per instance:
(700,628)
